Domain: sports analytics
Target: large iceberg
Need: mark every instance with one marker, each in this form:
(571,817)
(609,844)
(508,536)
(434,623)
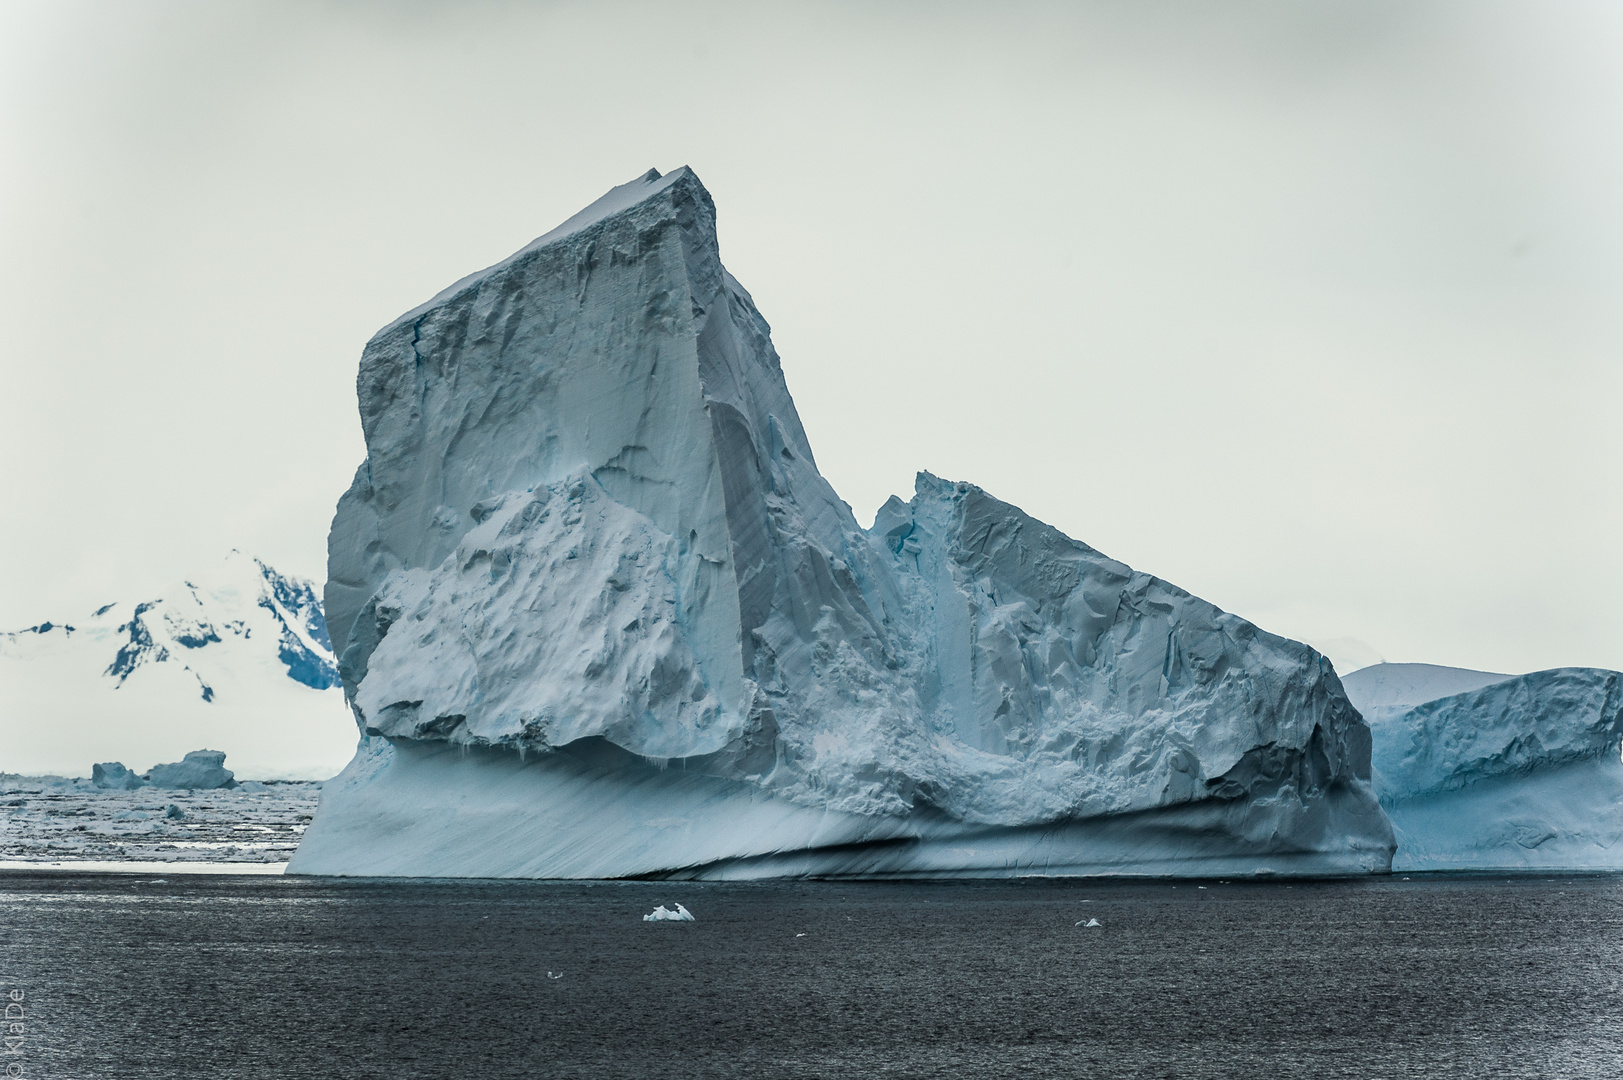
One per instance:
(1485,771)
(598,614)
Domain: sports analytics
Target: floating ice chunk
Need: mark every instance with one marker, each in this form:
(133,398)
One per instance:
(665,914)
(1090,922)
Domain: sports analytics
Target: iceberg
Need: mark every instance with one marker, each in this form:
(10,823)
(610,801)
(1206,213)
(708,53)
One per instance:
(1482,771)
(115,775)
(665,914)
(598,614)
(200,769)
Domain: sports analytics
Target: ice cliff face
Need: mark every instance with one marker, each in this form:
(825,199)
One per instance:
(236,657)
(1484,771)
(601,616)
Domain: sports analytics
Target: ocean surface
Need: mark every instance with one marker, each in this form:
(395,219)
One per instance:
(203,977)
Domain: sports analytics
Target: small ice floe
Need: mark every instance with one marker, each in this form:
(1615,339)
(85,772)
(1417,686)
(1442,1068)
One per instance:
(1090,922)
(555,974)
(174,813)
(664,914)
(800,935)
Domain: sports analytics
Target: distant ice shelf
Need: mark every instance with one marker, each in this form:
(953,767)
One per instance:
(598,614)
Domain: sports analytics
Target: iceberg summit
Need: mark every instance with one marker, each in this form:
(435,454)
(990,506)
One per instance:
(598,615)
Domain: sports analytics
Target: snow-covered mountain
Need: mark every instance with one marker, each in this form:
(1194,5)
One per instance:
(601,615)
(1485,771)
(237,659)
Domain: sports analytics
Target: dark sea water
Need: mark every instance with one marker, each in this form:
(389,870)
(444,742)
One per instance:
(284,977)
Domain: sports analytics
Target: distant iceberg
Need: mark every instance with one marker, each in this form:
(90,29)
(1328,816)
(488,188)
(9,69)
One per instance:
(598,615)
(1486,771)
(114,775)
(198,770)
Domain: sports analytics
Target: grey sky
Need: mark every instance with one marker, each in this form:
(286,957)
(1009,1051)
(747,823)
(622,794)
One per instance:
(1311,308)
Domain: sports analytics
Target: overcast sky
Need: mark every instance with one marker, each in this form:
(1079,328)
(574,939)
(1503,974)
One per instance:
(1311,308)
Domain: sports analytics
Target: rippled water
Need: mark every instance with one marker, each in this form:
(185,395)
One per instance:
(286,977)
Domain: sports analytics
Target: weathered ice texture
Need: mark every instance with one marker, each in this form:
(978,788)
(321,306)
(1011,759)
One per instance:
(599,615)
(1514,772)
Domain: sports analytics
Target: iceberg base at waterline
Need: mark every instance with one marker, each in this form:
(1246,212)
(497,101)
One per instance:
(594,811)
(1566,818)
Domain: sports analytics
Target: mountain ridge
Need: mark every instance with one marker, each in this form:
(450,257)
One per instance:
(238,656)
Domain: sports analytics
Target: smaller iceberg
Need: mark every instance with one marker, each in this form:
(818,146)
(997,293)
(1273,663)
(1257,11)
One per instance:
(1090,922)
(665,914)
(200,769)
(114,775)
(1481,771)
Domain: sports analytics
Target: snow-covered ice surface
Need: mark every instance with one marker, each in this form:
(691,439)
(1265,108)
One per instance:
(599,615)
(57,821)
(236,659)
(1486,771)
(1386,686)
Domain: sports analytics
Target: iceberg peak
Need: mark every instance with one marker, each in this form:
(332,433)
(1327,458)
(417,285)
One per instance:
(616,200)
